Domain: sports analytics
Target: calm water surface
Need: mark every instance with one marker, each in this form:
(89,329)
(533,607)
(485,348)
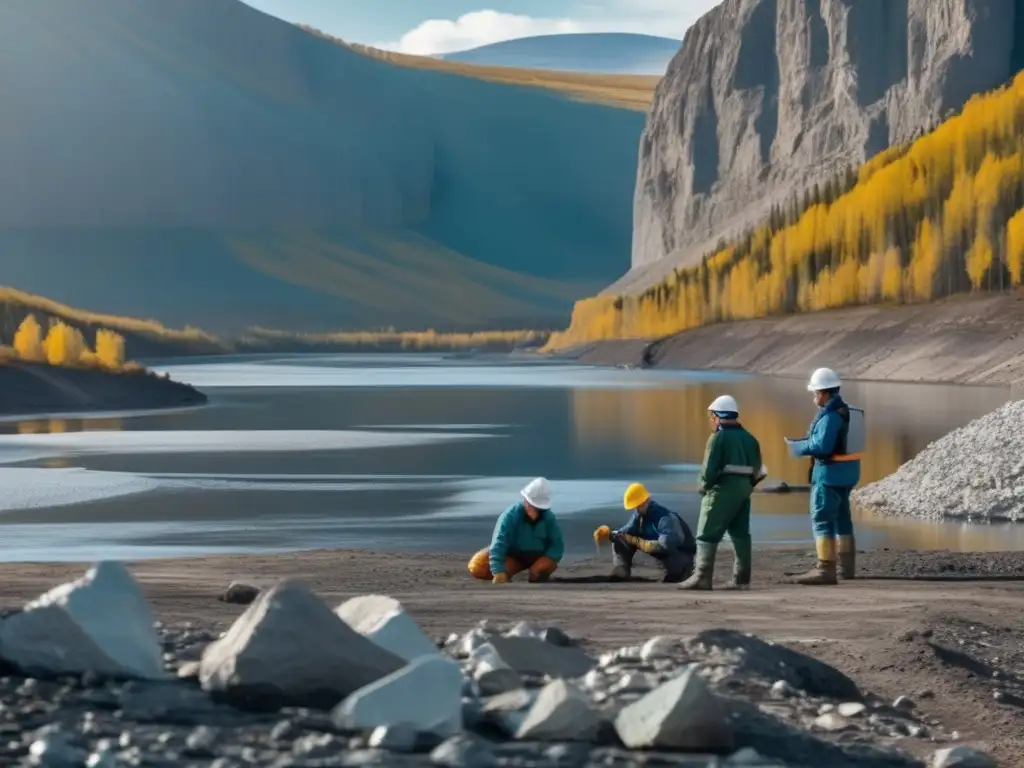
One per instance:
(422,452)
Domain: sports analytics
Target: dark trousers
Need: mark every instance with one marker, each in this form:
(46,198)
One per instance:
(676,565)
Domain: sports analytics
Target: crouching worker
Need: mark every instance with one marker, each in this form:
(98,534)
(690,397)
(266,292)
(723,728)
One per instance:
(526,538)
(653,530)
(732,467)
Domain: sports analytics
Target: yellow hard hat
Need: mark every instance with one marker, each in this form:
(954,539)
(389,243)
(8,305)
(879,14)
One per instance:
(635,495)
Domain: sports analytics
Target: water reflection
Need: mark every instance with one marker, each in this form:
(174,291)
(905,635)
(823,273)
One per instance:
(60,426)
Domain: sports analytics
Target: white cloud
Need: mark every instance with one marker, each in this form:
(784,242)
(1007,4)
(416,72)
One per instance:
(669,18)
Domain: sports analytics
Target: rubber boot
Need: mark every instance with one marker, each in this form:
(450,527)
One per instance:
(847,550)
(704,571)
(824,573)
(741,566)
(619,573)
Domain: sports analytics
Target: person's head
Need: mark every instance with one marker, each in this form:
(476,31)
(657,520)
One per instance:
(636,498)
(536,498)
(724,410)
(824,385)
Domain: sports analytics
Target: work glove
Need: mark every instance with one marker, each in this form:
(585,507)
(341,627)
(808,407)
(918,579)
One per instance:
(500,578)
(642,544)
(603,535)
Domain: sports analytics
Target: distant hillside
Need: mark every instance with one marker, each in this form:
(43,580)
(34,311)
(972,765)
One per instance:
(601,53)
(199,162)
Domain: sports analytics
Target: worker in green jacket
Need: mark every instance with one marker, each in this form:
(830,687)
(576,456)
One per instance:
(731,469)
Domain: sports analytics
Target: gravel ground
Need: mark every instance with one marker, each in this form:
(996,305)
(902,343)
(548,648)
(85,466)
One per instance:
(953,650)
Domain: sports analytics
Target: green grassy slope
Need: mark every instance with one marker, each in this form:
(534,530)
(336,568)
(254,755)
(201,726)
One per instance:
(200,162)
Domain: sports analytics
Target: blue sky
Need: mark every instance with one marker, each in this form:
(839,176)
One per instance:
(440,26)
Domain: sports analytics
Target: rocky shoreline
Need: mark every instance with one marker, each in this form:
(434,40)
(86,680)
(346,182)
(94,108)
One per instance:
(292,683)
(33,389)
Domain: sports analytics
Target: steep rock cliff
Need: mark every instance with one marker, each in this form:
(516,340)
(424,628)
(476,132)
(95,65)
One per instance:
(767,96)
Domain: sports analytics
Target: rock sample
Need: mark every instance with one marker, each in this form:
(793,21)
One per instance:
(680,714)
(533,656)
(974,472)
(425,695)
(290,648)
(561,712)
(766,97)
(384,620)
(490,672)
(100,623)
(239,593)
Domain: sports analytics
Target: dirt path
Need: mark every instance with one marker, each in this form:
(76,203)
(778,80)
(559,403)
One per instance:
(952,647)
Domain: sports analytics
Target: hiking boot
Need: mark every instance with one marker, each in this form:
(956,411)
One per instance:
(847,551)
(824,573)
(704,570)
(619,573)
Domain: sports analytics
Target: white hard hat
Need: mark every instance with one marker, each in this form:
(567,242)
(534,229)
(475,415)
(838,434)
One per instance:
(538,493)
(725,404)
(823,378)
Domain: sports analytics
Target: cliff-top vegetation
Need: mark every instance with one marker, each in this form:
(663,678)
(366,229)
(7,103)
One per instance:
(64,345)
(938,216)
(626,91)
(390,340)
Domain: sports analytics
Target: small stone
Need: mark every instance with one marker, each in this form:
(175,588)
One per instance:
(999,695)
(832,722)
(631,683)
(491,673)
(782,690)
(917,731)
(750,757)
(926,693)
(284,730)
(464,751)
(55,751)
(426,695)
(393,738)
(201,741)
(824,709)
(555,636)
(660,647)
(528,655)
(239,593)
(102,759)
(315,745)
(851,709)
(904,703)
(681,714)
(560,713)
(473,640)
(189,671)
(383,620)
(962,757)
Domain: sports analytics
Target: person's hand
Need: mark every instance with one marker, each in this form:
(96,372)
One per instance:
(500,578)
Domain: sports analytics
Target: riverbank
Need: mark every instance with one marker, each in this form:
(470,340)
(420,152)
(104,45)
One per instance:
(35,389)
(961,340)
(952,648)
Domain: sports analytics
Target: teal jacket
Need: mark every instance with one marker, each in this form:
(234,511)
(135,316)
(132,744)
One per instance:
(824,439)
(515,535)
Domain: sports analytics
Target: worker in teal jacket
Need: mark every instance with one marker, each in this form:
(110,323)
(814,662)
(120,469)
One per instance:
(526,537)
(653,530)
(834,472)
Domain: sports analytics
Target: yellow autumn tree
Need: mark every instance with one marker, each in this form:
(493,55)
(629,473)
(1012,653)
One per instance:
(28,340)
(109,349)
(64,345)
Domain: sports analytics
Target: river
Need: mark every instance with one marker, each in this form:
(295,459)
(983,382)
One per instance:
(423,451)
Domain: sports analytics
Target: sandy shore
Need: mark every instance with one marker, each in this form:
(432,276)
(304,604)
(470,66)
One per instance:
(945,629)
(962,340)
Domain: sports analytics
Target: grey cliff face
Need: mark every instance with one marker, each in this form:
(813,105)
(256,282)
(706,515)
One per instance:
(767,96)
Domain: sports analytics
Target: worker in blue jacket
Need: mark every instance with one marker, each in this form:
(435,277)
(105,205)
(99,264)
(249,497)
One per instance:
(653,530)
(526,537)
(834,444)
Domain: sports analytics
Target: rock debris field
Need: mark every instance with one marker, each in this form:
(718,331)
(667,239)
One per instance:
(90,679)
(975,472)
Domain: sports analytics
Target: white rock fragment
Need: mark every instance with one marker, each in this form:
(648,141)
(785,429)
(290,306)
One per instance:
(659,647)
(289,647)
(851,709)
(99,623)
(528,655)
(560,713)
(679,714)
(491,673)
(384,620)
(832,722)
(464,751)
(425,695)
(962,757)
(631,683)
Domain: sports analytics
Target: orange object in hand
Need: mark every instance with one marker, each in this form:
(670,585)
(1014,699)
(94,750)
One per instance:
(603,534)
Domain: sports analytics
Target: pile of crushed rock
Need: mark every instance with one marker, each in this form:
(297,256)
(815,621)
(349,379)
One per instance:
(975,472)
(91,680)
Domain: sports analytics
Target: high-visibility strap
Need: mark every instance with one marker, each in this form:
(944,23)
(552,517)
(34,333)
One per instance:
(737,469)
(848,457)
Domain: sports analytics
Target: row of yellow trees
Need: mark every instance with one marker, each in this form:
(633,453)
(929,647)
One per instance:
(65,345)
(936,217)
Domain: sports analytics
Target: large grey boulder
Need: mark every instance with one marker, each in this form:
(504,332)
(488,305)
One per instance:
(425,695)
(533,656)
(100,623)
(679,714)
(561,712)
(765,98)
(290,648)
(383,620)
